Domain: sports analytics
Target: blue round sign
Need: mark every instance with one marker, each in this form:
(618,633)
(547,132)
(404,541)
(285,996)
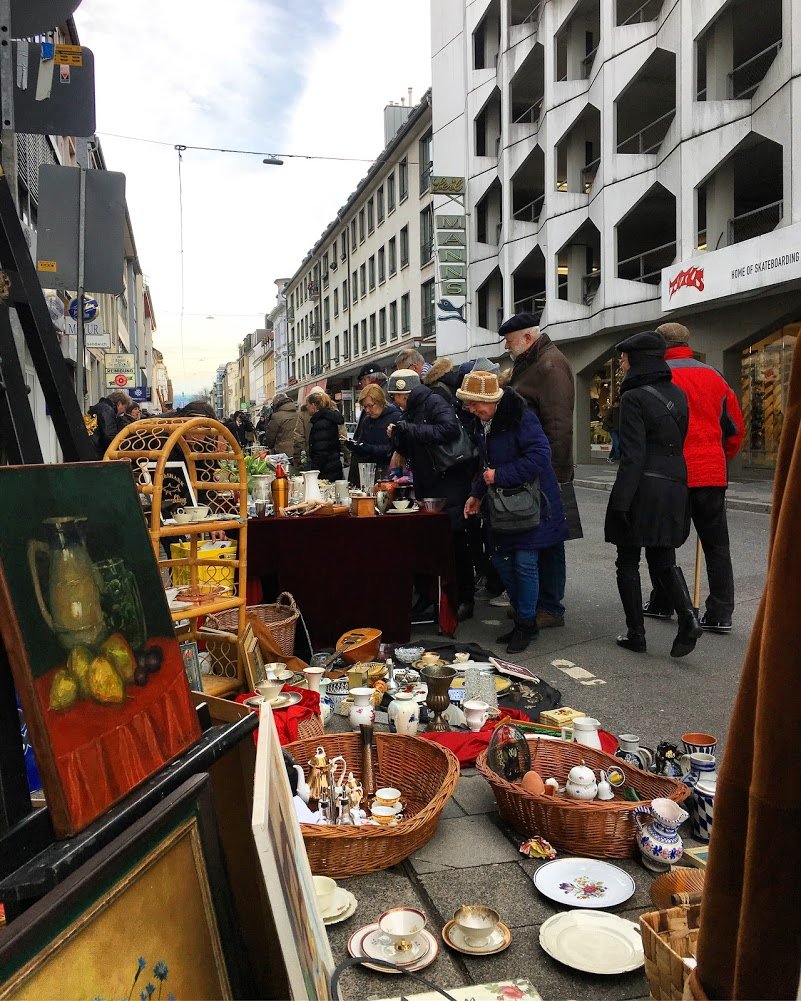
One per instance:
(90,308)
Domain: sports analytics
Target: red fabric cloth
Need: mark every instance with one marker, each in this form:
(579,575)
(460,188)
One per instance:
(708,444)
(287,720)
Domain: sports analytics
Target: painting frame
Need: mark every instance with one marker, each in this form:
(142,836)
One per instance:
(53,942)
(287,875)
(190,655)
(97,732)
(252,656)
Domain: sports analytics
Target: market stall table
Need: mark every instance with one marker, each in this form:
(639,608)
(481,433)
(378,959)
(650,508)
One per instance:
(346,572)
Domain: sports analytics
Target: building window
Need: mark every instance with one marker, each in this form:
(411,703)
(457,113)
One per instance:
(326,313)
(353,233)
(405,314)
(363,276)
(356,339)
(371,271)
(361,226)
(336,302)
(336,350)
(379,201)
(382,326)
(403,179)
(426,235)
(344,295)
(334,264)
(393,321)
(393,256)
(382,265)
(391,192)
(372,332)
(327,353)
(364,336)
(426,164)
(370,216)
(428,322)
(325,269)
(343,251)
(354,284)
(404,246)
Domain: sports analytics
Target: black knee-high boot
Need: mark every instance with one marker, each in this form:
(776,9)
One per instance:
(630,591)
(675,586)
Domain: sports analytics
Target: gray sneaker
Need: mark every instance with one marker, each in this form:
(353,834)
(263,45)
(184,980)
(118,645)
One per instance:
(502,601)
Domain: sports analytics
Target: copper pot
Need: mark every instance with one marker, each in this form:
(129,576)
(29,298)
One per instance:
(388,485)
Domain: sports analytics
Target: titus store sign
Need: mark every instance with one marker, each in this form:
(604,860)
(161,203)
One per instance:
(120,370)
(744,267)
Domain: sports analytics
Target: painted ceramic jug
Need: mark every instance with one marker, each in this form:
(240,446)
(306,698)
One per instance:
(403,713)
(702,808)
(659,841)
(362,710)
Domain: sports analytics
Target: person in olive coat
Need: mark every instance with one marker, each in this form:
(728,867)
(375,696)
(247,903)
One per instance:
(649,503)
(327,427)
(279,435)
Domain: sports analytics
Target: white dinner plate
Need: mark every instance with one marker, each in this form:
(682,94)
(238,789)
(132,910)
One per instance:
(593,942)
(584,882)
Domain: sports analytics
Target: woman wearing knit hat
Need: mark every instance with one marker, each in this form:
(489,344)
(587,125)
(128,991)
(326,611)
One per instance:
(649,502)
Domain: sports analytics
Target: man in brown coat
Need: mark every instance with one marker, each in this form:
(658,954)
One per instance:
(543,377)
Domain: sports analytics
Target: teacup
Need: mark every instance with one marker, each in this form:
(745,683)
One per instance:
(182,516)
(270,689)
(383,814)
(387,796)
(325,889)
(699,743)
(198,512)
(277,669)
(476,923)
(401,924)
(401,505)
(476,713)
(461,658)
(429,658)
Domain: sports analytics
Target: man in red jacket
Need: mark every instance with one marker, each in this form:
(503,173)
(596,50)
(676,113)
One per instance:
(713,439)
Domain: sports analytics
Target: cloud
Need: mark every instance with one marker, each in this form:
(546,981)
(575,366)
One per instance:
(289,76)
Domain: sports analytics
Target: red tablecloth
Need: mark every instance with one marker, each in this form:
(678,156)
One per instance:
(347,572)
(287,720)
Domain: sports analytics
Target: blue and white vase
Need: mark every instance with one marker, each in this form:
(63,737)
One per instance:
(403,714)
(702,808)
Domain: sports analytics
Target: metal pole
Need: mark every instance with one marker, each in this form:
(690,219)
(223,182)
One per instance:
(80,350)
(8,152)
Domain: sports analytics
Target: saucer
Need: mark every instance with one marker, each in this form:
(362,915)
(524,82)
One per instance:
(499,940)
(357,947)
(406,510)
(279,702)
(344,905)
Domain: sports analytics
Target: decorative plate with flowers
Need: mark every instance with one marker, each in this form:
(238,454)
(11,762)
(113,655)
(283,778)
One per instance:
(584,888)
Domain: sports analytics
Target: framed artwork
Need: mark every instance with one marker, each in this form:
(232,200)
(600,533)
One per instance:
(287,876)
(89,636)
(149,916)
(176,486)
(191,658)
(254,662)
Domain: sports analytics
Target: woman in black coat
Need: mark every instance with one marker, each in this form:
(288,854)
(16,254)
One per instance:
(370,442)
(325,436)
(649,503)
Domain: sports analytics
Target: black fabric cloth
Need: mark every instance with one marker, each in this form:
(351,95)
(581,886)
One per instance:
(708,513)
(106,414)
(371,442)
(325,444)
(648,505)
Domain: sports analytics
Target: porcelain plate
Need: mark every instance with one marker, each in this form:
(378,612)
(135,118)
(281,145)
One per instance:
(584,882)
(593,942)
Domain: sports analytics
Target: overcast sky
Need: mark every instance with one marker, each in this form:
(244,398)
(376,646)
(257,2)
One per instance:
(284,76)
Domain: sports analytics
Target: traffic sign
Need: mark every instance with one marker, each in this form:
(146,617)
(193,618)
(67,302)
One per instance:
(90,308)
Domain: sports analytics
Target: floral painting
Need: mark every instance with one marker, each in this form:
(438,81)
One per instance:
(584,888)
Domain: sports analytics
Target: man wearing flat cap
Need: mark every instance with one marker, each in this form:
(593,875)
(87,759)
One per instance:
(543,377)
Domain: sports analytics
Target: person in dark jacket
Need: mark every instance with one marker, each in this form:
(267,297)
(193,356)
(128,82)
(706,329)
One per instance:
(327,425)
(240,427)
(279,435)
(108,410)
(649,503)
(132,412)
(370,442)
(429,420)
(514,451)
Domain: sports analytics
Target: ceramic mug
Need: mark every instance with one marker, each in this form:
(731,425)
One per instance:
(476,714)
(476,923)
(699,743)
(324,888)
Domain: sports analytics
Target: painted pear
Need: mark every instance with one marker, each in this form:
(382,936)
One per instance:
(63,691)
(105,684)
(119,653)
(78,664)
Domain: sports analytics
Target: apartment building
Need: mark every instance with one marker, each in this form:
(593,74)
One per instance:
(627,162)
(367,288)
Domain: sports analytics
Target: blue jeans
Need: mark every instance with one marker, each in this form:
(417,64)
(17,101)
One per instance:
(614,452)
(553,577)
(519,572)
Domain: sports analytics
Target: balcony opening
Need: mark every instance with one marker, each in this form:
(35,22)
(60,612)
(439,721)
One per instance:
(487,38)
(490,301)
(489,219)
(579,266)
(744,197)
(525,12)
(736,50)
(529,283)
(527,89)
(578,153)
(488,126)
(637,11)
(646,237)
(647,106)
(577,42)
(528,187)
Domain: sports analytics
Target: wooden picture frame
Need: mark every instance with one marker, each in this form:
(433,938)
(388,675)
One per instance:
(254,661)
(150,913)
(190,655)
(176,486)
(90,640)
(287,875)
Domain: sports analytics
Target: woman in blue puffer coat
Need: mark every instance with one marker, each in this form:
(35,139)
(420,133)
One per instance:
(514,451)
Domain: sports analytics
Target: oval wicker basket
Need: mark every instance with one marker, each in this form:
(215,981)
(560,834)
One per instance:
(425,773)
(281,617)
(599,829)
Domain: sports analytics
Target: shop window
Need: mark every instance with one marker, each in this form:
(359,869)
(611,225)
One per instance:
(765,380)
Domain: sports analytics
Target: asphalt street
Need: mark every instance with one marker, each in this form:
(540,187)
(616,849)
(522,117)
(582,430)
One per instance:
(652,695)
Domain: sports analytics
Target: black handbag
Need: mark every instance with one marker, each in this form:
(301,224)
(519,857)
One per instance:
(512,510)
(444,456)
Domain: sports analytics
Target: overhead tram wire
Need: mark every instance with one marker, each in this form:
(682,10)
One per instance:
(180,150)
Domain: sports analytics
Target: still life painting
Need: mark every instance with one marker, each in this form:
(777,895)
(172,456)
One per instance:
(85,621)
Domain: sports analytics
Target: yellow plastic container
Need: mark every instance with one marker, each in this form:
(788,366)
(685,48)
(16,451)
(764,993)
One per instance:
(212,574)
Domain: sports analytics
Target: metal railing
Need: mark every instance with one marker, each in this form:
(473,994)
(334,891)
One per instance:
(745,78)
(649,11)
(754,223)
(650,136)
(426,251)
(314,332)
(531,304)
(530,116)
(647,266)
(533,16)
(588,174)
(531,211)
(586,64)
(590,284)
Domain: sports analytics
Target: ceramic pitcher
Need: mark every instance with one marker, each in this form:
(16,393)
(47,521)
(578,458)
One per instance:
(311,488)
(659,841)
(584,730)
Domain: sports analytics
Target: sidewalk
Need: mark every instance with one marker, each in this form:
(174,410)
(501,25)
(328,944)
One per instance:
(746,495)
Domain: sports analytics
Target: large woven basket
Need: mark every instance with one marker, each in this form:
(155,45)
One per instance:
(668,938)
(426,775)
(281,617)
(600,829)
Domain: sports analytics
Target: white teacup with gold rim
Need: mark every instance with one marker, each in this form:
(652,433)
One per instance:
(387,796)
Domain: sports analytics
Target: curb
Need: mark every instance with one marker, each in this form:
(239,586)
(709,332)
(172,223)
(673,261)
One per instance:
(732,503)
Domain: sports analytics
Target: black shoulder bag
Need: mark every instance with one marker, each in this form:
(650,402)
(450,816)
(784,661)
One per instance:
(512,510)
(445,455)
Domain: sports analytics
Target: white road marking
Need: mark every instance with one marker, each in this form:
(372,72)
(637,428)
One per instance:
(577,673)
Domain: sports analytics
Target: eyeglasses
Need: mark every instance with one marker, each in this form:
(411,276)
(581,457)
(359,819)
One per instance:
(369,406)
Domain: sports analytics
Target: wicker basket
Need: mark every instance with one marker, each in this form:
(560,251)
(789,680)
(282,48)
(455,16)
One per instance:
(425,773)
(668,937)
(600,829)
(281,617)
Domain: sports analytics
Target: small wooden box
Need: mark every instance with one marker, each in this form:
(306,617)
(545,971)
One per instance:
(362,507)
(560,717)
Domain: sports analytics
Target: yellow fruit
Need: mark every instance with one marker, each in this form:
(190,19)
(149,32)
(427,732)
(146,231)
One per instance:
(63,691)
(121,656)
(105,685)
(78,664)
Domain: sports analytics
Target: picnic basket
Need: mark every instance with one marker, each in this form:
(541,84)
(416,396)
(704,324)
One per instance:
(281,616)
(668,938)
